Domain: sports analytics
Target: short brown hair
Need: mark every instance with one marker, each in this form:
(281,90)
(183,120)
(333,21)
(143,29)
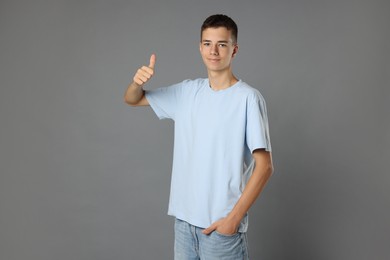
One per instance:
(220,20)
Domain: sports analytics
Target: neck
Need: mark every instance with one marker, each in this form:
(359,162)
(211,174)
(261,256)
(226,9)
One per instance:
(219,81)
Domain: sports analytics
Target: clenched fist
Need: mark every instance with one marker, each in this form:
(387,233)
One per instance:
(145,72)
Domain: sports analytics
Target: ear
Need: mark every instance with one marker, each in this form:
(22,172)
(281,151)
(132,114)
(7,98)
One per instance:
(235,50)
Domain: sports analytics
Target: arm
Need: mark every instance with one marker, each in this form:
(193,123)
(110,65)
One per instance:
(261,173)
(135,95)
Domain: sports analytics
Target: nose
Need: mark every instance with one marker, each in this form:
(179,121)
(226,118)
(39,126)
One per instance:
(214,50)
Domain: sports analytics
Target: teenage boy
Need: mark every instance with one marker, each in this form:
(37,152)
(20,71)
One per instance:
(222,151)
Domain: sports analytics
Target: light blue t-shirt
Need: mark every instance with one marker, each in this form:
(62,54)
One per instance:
(215,135)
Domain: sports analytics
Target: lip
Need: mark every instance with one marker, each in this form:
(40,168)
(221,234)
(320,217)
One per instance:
(214,60)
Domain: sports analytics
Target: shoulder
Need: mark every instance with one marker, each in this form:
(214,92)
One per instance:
(251,94)
(200,82)
(183,86)
(192,86)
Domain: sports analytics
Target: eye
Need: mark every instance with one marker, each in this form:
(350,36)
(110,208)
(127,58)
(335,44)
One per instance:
(222,45)
(206,44)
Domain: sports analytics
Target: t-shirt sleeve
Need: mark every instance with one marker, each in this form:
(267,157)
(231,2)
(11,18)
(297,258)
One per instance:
(257,129)
(164,101)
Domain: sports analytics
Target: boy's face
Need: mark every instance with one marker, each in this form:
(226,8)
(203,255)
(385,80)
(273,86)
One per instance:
(217,49)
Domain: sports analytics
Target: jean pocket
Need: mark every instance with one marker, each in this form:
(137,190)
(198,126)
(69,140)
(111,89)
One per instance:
(226,235)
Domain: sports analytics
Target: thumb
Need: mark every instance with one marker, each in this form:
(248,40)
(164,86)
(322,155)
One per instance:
(210,229)
(152,61)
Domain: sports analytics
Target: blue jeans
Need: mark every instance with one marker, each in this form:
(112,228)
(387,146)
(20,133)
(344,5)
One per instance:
(192,244)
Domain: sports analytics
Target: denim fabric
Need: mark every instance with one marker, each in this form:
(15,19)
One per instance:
(191,244)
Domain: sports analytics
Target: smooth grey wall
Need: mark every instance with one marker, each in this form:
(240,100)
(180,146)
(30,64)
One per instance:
(83,176)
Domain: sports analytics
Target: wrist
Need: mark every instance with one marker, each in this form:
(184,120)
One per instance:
(136,85)
(234,218)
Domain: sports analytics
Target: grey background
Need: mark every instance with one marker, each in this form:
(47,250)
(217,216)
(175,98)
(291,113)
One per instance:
(83,176)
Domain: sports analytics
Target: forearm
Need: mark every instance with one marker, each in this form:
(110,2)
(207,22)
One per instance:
(261,173)
(134,94)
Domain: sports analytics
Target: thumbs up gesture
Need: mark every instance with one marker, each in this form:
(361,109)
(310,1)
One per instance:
(145,73)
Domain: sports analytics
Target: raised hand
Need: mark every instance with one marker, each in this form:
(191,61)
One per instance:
(145,73)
